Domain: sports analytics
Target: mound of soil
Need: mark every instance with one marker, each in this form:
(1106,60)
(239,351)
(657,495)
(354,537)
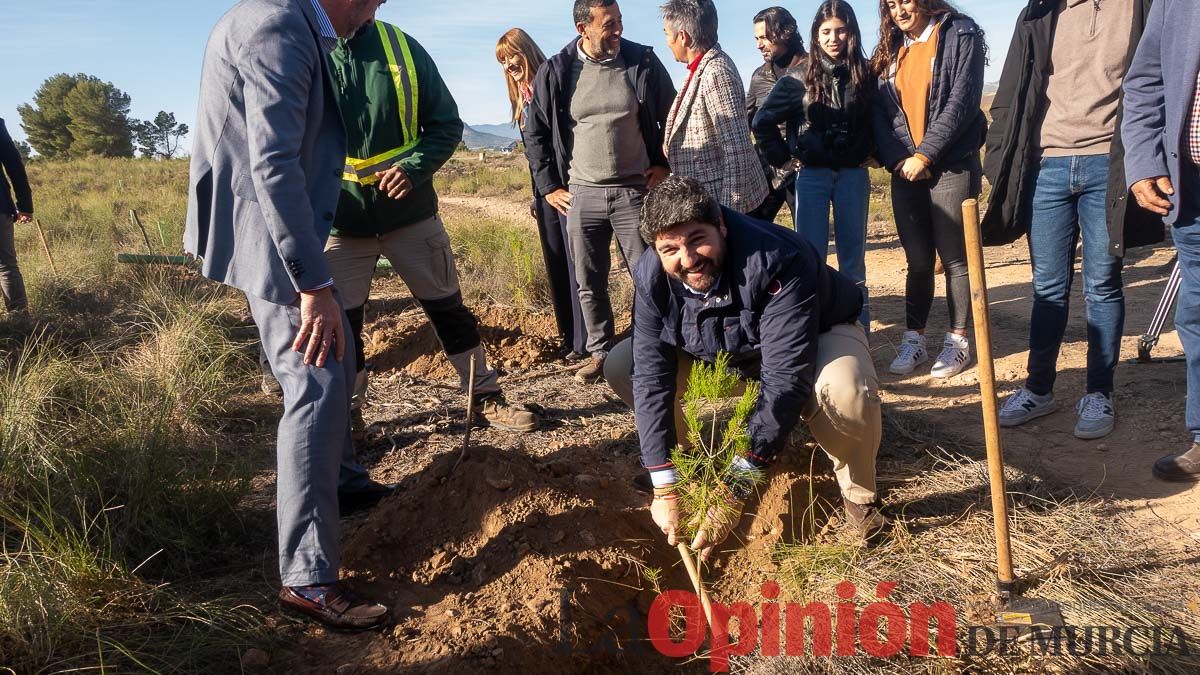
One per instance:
(406,341)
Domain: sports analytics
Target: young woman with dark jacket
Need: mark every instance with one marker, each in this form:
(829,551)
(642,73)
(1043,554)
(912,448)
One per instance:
(826,107)
(929,128)
(520,57)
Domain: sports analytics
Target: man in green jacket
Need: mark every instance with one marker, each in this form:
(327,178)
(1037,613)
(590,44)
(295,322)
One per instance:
(402,125)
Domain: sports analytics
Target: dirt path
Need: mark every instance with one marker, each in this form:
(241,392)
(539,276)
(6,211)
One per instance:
(536,555)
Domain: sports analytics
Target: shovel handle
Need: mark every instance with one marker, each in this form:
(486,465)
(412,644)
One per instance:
(987,387)
(694,572)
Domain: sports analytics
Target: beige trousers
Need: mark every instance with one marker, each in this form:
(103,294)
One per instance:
(844,413)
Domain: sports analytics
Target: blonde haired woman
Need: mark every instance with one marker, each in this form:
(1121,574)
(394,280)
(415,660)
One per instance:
(520,58)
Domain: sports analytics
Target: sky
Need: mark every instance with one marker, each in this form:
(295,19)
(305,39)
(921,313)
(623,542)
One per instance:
(153,50)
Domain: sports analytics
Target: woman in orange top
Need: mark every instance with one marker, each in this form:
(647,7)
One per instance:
(929,128)
(520,57)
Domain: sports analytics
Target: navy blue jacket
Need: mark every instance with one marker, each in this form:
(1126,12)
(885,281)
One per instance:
(549,139)
(11,164)
(774,298)
(956,125)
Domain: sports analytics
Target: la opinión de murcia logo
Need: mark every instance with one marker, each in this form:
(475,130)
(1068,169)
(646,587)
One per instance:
(676,628)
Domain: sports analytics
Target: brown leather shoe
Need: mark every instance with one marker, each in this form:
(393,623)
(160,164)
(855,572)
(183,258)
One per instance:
(336,607)
(867,520)
(1183,468)
(496,411)
(593,371)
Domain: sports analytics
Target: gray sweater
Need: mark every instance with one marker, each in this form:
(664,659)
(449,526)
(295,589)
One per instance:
(609,149)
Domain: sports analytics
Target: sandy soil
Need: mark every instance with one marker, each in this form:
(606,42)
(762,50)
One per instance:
(532,554)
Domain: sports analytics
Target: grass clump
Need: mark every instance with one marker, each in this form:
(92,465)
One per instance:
(500,261)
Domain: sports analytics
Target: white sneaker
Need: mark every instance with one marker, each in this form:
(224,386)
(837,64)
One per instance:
(1097,417)
(912,353)
(956,354)
(1024,406)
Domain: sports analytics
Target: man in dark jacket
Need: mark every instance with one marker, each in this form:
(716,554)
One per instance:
(20,211)
(779,41)
(1162,128)
(595,145)
(407,130)
(722,282)
(1055,162)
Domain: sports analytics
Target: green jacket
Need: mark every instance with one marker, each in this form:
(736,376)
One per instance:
(369,104)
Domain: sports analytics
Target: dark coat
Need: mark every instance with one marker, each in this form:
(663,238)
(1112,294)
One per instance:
(1013,155)
(774,298)
(549,140)
(832,134)
(956,126)
(14,167)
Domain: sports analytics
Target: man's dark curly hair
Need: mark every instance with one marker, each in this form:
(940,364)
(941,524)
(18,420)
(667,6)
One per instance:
(675,201)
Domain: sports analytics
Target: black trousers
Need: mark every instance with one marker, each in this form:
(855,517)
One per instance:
(929,220)
(560,270)
(784,194)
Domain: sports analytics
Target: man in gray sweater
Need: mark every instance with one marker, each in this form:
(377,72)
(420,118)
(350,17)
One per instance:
(594,143)
(1054,159)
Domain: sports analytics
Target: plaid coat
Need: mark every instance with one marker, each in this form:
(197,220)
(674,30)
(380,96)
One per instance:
(708,138)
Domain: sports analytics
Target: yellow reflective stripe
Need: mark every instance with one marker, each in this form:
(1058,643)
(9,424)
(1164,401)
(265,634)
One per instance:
(386,37)
(363,170)
(414,94)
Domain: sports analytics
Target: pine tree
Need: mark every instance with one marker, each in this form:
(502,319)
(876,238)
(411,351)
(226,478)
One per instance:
(706,468)
(78,116)
(159,137)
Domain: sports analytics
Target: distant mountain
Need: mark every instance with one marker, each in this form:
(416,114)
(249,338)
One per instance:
(991,87)
(477,140)
(502,130)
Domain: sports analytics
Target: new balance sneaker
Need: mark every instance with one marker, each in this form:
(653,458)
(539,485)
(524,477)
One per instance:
(956,354)
(1024,406)
(1097,417)
(912,353)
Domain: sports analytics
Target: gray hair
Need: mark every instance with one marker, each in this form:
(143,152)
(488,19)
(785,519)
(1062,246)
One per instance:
(697,18)
(678,200)
(582,12)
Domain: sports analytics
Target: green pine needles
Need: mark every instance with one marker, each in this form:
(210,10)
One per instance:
(705,463)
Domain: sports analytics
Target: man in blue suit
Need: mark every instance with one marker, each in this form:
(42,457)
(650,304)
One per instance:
(266,173)
(1162,137)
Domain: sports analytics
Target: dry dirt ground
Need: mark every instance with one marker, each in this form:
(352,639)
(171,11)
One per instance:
(532,554)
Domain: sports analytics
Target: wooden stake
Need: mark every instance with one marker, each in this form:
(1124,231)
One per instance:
(45,245)
(133,218)
(694,572)
(470,414)
(987,386)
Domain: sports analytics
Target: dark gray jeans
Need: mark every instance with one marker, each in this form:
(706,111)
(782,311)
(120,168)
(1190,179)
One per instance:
(929,220)
(597,213)
(11,282)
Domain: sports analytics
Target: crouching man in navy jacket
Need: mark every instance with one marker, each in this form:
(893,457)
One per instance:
(723,282)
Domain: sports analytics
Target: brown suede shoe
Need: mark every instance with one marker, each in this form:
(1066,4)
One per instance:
(495,411)
(867,520)
(337,608)
(593,371)
(1183,468)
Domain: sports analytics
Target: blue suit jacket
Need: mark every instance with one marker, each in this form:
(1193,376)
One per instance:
(1158,94)
(268,153)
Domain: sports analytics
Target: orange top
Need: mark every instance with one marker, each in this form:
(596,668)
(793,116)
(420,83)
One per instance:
(914,78)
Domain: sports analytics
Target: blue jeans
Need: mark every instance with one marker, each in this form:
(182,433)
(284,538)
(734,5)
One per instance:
(849,190)
(1069,200)
(1187,307)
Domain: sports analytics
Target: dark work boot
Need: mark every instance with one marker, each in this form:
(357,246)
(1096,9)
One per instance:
(867,520)
(1183,468)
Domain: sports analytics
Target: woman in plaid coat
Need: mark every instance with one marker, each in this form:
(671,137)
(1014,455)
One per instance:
(708,137)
